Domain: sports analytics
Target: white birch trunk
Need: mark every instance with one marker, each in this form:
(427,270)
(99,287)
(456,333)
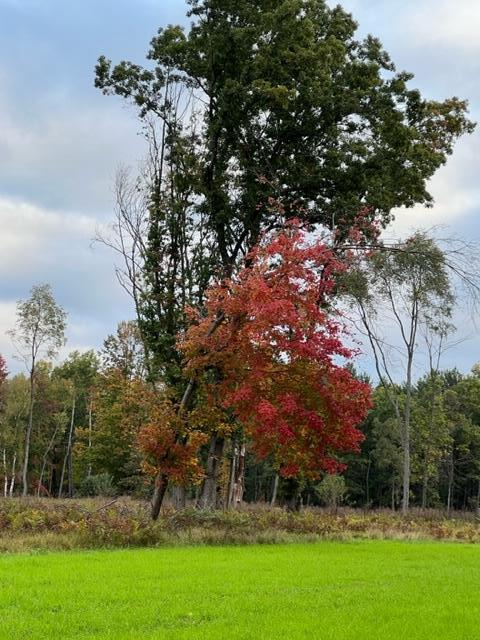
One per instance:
(5,474)
(12,478)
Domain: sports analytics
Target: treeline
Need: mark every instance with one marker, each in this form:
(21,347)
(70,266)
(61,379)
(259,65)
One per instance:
(445,447)
(81,441)
(89,409)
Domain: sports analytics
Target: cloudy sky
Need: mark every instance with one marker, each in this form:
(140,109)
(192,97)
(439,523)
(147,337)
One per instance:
(61,140)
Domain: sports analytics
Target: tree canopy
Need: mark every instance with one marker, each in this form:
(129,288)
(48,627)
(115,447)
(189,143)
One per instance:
(295,106)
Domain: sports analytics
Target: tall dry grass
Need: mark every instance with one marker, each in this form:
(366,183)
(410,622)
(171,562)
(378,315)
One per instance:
(45,524)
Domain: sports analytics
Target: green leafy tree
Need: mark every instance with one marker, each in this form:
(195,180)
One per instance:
(79,370)
(50,417)
(124,350)
(117,416)
(39,333)
(431,433)
(14,414)
(162,243)
(462,402)
(374,477)
(403,288)
(293,106)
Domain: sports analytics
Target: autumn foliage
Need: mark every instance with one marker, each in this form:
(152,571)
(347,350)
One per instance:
(269,349)
(169,446)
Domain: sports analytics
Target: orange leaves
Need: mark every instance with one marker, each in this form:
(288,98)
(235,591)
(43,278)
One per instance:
(168,445)
(134,414)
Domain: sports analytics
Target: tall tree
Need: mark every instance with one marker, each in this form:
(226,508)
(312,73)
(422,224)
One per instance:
(124,350)
(402,290)
(291,106)
(80,371)
(161,241)
(431,433)
(271,338)
(39,332)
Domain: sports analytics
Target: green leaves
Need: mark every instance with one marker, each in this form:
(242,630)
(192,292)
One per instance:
(296,107)
(40,326)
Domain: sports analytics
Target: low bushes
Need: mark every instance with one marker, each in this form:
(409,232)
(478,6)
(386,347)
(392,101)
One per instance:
(30,524)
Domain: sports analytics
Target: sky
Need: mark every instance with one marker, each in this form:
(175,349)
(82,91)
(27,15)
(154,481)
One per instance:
(61,142)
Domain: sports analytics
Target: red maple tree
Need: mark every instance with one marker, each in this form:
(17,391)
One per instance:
(269,349)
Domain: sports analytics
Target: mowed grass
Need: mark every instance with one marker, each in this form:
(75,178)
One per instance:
(327,590)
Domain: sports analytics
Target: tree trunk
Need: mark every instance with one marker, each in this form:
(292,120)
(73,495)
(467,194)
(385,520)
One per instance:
(406,478)
(367,483)
(406,430)
(89,468)
(179,497)
(12,478)
(161,484)
(424,490)
(239,483)
(70,469)
(393,493)
(69,444)
(450,483)
(294,498)
(28,433)
(44,461)
(274,491)
(5,473)
(231,477)
(210,498)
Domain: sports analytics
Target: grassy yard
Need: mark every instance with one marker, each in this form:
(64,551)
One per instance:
(328,590)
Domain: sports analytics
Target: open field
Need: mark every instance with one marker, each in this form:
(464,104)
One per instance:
(331,590)
(29,525)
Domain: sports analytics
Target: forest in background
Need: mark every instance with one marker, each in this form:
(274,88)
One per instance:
(86,417)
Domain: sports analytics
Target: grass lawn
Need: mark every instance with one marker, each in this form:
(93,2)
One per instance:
(356,590)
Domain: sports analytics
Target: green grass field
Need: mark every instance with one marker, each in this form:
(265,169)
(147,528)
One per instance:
(355,590)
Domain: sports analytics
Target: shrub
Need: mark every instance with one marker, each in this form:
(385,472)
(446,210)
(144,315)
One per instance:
(98,485)
(331,491)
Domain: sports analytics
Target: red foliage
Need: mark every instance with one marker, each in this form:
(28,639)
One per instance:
(275,355)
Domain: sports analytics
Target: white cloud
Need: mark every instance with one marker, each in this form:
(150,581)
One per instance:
(7,320)
(38,245)
(62,152)
(28,234)
(441,23)
(455,189)
(445,23)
